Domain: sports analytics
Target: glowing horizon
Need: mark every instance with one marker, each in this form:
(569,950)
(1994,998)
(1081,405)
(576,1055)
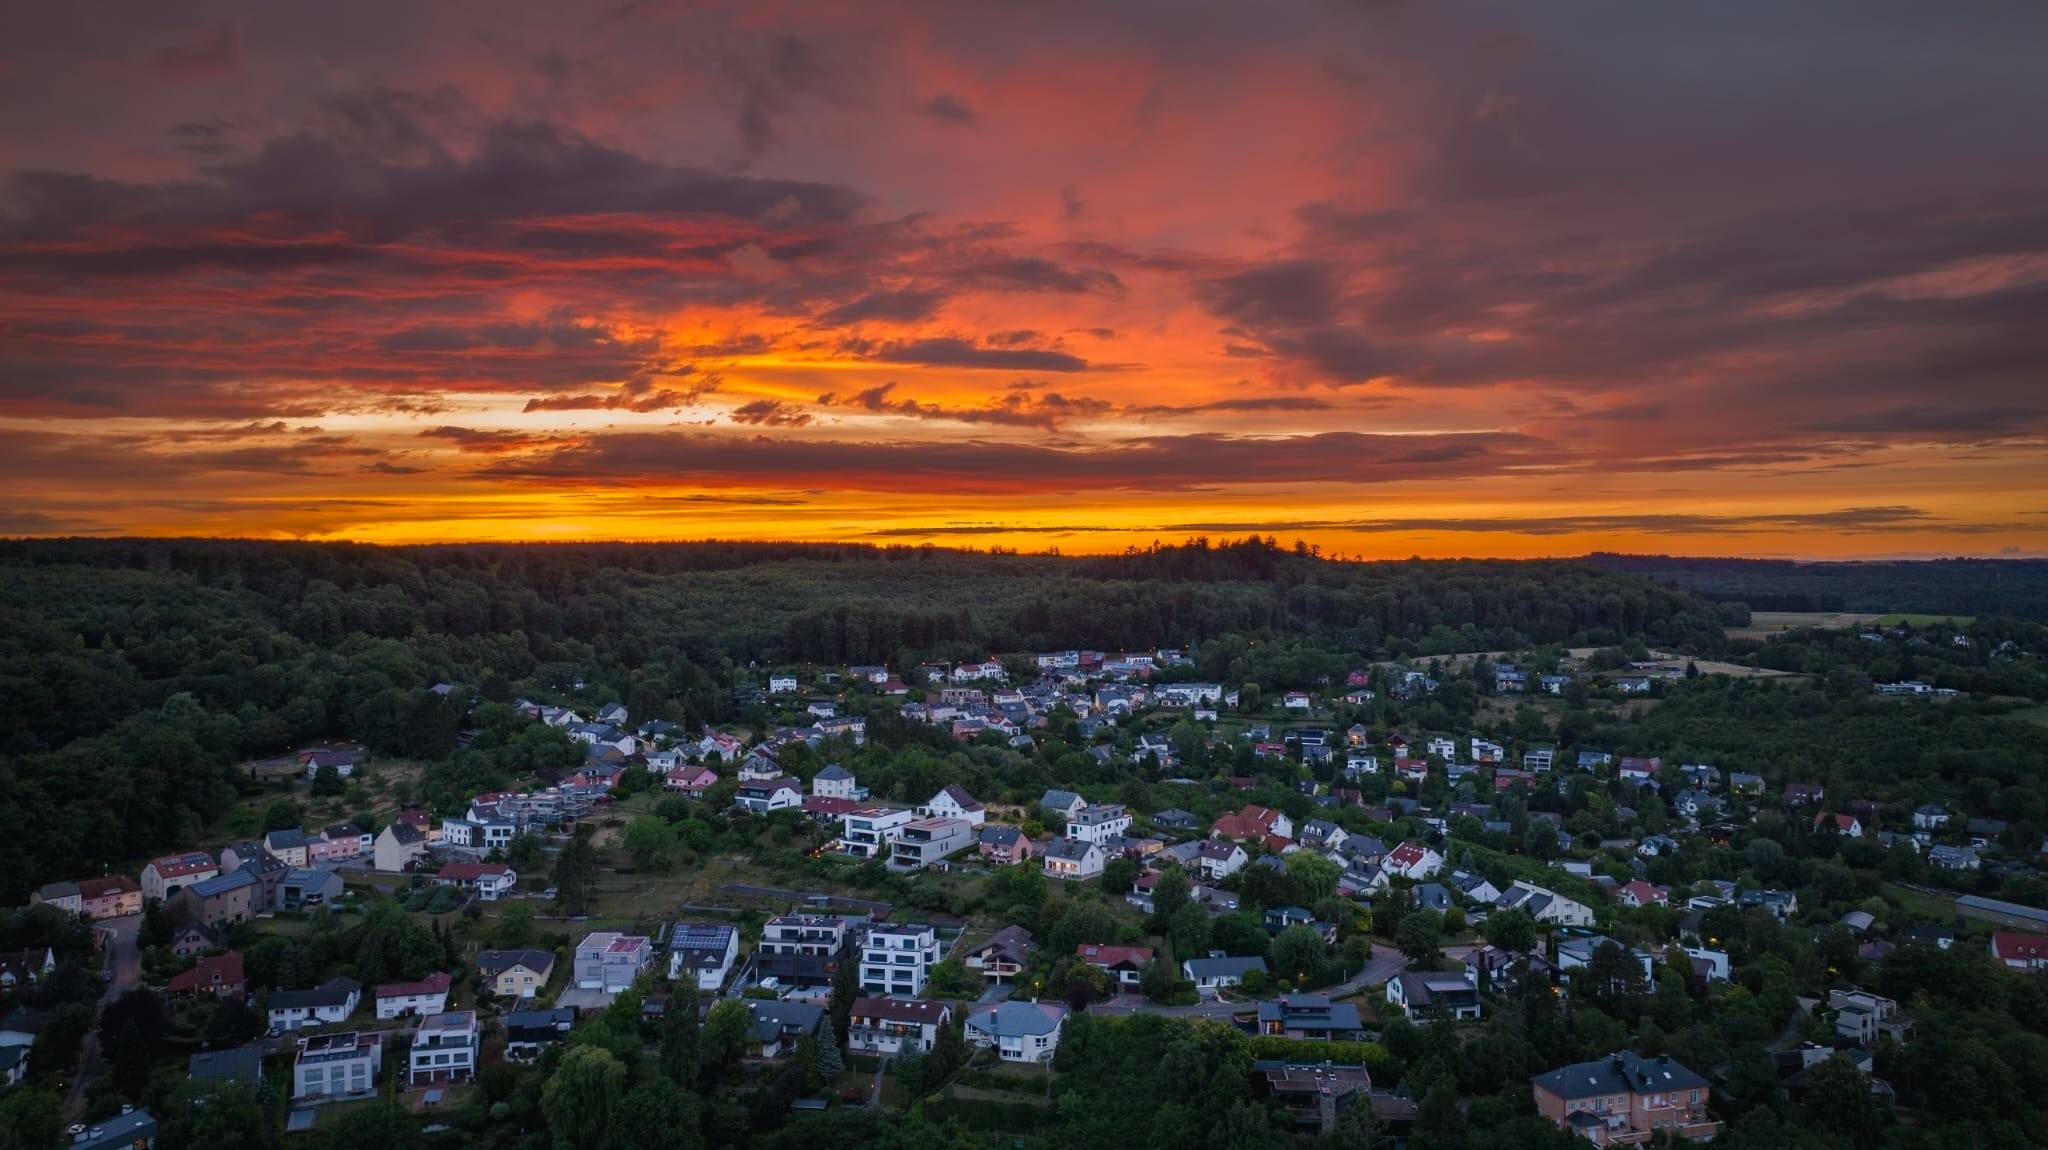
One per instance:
(1396,280)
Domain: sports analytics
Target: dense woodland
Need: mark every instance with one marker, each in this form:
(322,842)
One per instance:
(2017,588)
(140,673)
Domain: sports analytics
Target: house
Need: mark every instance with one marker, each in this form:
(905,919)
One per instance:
(1632,685)
(444,1049)
(1690,802)
(1711,965)
(759,766)
(243,1064)
(1554,684)
(1253,824)
(953,802)
(166,876)
(1657,846)
(1005,845)
(775,1027)
(1930,817)
(2020,951)
(928,842)
(1125,964)
(1218,860)
(218,976)
(1017,1031)
(1099,822)
(1296,701)
(1545,905)
(1433,896)
(1954,858)
(220,900)
(763,795)
(1324,834)
(609,961)
(895,1025)
(1577,953)
(288,844)
(1309,1016)
(1073,859)
(836,782)
(331,1001)
(1175,819)
(343,762)
(62,894)
(1848,826)
(781,684)
(131,1129)
(1219,971)
(191,939)
(1413,861)
(516,973)
(897,958)
(110,896)
(529,1032)
(1063,804)
(1420,996)
(1781,903)
(1634,769)
(413,999)
(491,881)
(1003,956)
(689,782)
(1474,887)
(399,847)
(1539,759)
(1863,1017)
(702,954)
(1640,893)
(341,842)
(1801,794)
(869,831)
(802,949)
(1625,1099)
(1489,968)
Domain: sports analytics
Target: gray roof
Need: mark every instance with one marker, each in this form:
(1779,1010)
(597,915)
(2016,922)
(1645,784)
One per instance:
(1620,1073)
(241,1064)
(1434,896)
(221,884)
(773,1019)
(834,773)
(1229,965)
(1061,800)
(553,1019)
(123,1130)
(1007,1019)
(333,992)
(289,837)
(495,962)
(1072,850)
(1000,836)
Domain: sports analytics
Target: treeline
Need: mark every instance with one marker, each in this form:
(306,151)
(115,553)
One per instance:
(2009,587)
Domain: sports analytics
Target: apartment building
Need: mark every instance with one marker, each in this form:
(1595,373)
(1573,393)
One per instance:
(897,958)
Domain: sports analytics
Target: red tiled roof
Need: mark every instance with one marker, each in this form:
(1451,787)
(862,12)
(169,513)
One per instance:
(470,872)
(436,983)
(2011,946)
(1406,855)
(218,970)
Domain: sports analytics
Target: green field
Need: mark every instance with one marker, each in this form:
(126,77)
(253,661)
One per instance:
(1904,620)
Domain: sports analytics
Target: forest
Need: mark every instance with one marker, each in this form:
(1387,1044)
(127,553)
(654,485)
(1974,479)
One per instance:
(2014,588)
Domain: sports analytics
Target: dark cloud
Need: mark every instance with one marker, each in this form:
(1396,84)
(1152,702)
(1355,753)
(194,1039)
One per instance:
(906,305)
(953,352)
(947,108)
(483,442)
(769,413)
(1849,519)
(218,52)
(1018,407)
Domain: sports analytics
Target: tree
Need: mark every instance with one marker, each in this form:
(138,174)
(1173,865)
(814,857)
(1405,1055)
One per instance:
(651,843)
(1454,921)
(726,1030)
(1240,936)
(831,1064)
(1119,875)
(131,1029)
(1263,888)
(1419,938)
(515,927)
(579,1100)
(655,1115)
(1359,1128)
(679,1026)
(1299,954)
(1169,894)
(576,873)
(845,988)
(283,815)
(1838,1100)
(327,783)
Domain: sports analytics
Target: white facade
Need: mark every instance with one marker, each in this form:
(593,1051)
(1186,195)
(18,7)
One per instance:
(897,959)
(444,1049)
(870,831)
(1099,824)
(337,1065)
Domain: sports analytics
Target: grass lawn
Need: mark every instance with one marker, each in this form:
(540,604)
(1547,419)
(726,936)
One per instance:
(1927,906)
(2030,715)
(1905,620)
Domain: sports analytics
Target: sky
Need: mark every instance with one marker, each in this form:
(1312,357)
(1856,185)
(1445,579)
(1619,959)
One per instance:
(1441,279)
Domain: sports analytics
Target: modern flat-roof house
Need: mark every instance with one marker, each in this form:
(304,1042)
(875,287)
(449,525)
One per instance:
(703,954)
(1098,823)
(444,1049)
(1316,1095)
(1626,1100)
(803,949)
(1422,995)
(867,832)
(609,961)
(340,1064)
(1310,1016)
(894,1025)
(1017,1031)
(166,876)
(516,973)
(897,958)
(131,1129)
(929,841)
(332,1001)
(529,1032)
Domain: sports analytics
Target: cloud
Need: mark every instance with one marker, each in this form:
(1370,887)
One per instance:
(1850,519)
(949,109)
(907,305)
(769,413)
(219,52)
(954,352)
(1020,408)
(482,442)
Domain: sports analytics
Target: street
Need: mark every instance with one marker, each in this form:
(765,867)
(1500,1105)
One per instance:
(1386,962)
(125,960)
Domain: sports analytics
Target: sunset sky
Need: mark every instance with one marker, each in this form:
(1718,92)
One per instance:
(1396,278)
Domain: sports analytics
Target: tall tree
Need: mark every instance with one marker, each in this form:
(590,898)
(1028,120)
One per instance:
(679,1026)
(579,1100)
(655,1115)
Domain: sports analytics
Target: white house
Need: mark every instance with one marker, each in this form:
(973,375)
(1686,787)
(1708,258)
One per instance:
(331,1001)
(762,796)
(869,832)
(894,1025)
(490,881)
(836,782)
(1219,859)
(398,846)
(1413,861)
(1099,823)
(340,1065)
(1073,859)
(703,953)
(953,802)
(1017,1031)
(1545,905)
(1296,701)
(444,1049)
(781,684)
(1218,971)
(897,958)
(413,999)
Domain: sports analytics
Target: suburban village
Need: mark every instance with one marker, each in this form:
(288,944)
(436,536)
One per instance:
(1284,865)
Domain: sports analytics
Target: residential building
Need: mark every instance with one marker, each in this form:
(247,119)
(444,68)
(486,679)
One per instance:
(1175,819)
(444,1049)
(1073,859)
(217,976)
(1954,858)
(1218,859)
(1421,996)
(927,842)
(1310,1016)
(1219,971)
(1003,956)
(398,847)
(166,876)
(529,1032)
(703,954)
(776,1026)
(1474,887)
(1017,1031)
(1489,968)
(953,802)
(803,949)
(1625,1099)
(1864,1017)
(609,961)
(2020,951)
(1930,817)
(1545,905)
(836,782)
(1640,893)
(895,1025)
(306,889)
(1252,824)
(243,1064)
(220,900)
(1413,861)
(896,959)
(490,881)
(688,781)
(1005,845)
(331,1001)
(868,832)
(289,845)
(1316,1095)
(761,796)
(1064,804)
(413,999)
(131,1129)
(337,1065)
(1124,964)
(516,973)
(1848,826)
(1098,823)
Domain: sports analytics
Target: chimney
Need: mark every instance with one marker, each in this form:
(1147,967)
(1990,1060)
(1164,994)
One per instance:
(127,1109)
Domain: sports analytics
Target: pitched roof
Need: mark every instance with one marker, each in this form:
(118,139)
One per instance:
(1095,955)
(900,1009)
(2011,946)
(1009,1018)
(1619,1073)
(495,962)
(959,795)
(436,983)
(1227,965)
(1071,850)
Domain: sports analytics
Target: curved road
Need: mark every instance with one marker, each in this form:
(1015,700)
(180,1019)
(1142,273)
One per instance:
(1385,964)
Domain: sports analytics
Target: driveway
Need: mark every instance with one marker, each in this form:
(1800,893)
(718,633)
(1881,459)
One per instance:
(124,958)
